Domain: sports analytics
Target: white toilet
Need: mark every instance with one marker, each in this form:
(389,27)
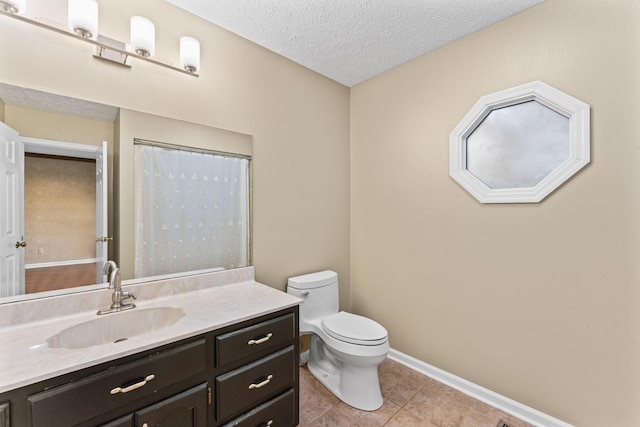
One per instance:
(345,349)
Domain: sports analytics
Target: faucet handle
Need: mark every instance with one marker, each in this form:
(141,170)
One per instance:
(128,294)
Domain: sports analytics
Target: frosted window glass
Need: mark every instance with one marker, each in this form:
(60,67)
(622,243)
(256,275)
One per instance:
(518,146)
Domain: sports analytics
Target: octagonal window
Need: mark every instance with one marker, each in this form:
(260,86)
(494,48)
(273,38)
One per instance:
(520,144)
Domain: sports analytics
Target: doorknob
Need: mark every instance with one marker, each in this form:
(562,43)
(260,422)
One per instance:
(21,244)
(104,239)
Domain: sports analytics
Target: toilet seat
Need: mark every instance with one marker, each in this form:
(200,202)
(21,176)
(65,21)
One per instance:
(354,329)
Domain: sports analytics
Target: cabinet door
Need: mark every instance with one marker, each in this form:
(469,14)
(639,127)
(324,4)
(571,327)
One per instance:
(4,415)
(126,421)
(187,409)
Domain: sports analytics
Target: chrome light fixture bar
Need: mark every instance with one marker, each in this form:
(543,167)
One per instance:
(114,50)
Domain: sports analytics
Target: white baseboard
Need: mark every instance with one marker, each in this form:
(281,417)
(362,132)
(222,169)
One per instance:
(61,263)
(502,403)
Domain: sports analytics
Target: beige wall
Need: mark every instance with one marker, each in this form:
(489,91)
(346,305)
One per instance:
(538,302)
(58,127)
(298,120)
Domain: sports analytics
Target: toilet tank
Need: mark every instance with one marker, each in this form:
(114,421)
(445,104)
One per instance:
(319,292)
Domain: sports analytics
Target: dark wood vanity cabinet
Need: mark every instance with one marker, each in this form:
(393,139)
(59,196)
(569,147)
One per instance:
(185,409)
(107,391)
(5,407)
(256,370)
(241,375)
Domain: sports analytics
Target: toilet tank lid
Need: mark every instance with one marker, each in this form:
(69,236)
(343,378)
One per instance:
(313,280)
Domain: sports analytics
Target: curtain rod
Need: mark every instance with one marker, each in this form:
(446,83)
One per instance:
(138,141)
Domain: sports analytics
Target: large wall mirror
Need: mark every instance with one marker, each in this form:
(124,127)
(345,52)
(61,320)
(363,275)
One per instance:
(66,126)
(519,145)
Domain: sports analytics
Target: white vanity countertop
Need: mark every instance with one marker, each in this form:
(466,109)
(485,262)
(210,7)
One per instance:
(25,357)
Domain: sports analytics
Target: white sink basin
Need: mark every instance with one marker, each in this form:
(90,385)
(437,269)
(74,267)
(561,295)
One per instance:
(115,327)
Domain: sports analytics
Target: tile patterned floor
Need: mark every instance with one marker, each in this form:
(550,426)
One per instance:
(410,400)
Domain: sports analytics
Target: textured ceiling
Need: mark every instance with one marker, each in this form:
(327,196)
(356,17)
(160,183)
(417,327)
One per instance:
(348,41)
(44,101)
(351,41)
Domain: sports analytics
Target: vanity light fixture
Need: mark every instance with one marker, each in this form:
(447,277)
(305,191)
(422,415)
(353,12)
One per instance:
(83,23)
(13,6)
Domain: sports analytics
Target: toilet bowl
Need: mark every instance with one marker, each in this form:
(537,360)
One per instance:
(345,349)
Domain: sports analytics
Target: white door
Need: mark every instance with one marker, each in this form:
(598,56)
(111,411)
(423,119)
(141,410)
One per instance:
(102,239)
(11,212)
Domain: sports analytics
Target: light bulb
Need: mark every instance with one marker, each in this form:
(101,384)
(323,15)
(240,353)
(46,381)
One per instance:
(189,54)
(143,36)
(83,18)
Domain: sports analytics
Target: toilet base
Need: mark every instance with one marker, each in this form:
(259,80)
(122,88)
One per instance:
(357,386)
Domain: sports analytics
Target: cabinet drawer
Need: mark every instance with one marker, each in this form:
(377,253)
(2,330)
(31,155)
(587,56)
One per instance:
(247,386)
(106,391)
(244,342)
(278,412)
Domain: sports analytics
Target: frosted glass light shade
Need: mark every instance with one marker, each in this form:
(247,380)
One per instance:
(143,36)
(13,6)
(189,54)
(83,18)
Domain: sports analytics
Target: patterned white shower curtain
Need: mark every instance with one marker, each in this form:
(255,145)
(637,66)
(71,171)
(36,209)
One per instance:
(192,211)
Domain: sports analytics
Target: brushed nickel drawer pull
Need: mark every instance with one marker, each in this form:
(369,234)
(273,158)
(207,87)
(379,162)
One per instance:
(133,386)
(267,424)
(262,384)
(261,340)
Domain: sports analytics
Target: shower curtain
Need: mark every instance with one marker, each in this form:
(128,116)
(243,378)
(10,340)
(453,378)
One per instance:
(192,211)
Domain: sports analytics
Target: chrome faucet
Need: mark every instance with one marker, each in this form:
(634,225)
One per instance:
(113,274)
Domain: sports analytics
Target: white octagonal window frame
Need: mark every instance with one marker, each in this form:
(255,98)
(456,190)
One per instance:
(576,111)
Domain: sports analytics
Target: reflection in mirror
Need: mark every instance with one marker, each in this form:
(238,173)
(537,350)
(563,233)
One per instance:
(55,210)
(196,199)
(47,116)
(65,210)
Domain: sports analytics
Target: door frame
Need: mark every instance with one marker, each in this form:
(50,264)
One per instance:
(82,151)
